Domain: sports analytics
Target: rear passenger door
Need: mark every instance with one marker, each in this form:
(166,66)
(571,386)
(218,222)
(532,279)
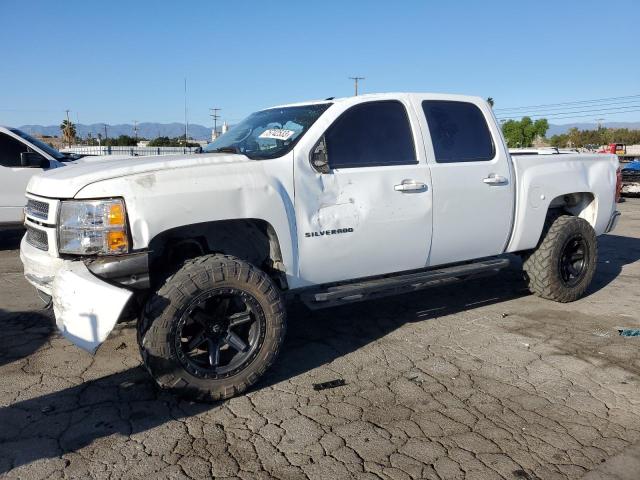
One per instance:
(473,193)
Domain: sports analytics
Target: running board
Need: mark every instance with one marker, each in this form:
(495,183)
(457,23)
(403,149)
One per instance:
(378,287)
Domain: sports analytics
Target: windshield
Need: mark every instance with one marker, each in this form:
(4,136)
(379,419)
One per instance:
(268,133)
(40,144)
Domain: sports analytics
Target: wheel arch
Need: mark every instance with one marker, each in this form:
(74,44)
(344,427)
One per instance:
(253,240)
(577,204)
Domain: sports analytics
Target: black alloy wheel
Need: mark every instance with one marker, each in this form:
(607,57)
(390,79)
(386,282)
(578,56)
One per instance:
(219,333)
(573,260)
(213,329)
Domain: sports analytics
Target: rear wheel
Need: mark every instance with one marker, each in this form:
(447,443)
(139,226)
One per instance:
(563,265)
(213,328)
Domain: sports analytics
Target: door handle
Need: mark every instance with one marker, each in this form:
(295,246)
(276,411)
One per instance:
(494,179)
(410,186)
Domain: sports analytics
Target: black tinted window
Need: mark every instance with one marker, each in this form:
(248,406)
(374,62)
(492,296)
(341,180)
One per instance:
(10,150)
(458,131)
(370,134)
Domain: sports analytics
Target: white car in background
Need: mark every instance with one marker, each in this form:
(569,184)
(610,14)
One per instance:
(22,157)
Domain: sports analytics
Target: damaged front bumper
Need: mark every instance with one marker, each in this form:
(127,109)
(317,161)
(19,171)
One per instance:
(85,306)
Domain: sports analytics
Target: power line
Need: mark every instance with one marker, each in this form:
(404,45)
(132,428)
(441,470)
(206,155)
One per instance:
(611,112)
(607,110)
(568,103)
(588,115)
(550,109)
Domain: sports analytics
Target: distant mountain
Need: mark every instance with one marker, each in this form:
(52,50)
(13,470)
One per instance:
(564,128)
(147,130)
(152,130)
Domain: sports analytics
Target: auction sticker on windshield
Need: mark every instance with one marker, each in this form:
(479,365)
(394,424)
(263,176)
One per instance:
(277,133)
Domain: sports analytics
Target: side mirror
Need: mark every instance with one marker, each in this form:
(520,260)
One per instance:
(319,158)
(33,160)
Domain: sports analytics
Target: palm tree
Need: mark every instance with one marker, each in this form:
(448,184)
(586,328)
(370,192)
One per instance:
(68,131)
(490,101)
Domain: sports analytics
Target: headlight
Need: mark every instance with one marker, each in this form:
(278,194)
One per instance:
(93,227)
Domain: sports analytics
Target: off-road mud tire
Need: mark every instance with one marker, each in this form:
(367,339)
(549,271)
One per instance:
(542,266)
(156,328)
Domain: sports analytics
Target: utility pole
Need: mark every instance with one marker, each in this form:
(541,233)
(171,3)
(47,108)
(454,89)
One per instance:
(215,116)
(186,123)
(105,132)
(355,81)
(135,130)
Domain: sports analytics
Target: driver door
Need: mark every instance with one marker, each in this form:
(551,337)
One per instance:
(369,211)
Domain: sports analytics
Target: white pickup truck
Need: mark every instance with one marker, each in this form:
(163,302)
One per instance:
(332,201)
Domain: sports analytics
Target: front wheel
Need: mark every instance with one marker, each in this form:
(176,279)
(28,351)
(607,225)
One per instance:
(213,328)
(562,266)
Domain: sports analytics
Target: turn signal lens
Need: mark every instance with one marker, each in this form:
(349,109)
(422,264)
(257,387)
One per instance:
(117,241)
(116,214)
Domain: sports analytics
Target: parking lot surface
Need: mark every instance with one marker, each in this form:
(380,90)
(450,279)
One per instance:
(478,380)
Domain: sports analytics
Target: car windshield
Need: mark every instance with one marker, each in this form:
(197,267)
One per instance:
(268,133)
(40,144)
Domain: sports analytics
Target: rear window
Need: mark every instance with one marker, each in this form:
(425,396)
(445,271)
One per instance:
(459,132)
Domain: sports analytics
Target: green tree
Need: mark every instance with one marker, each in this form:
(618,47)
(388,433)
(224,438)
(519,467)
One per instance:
(121,141)
(171,142)
(596,138)
(522,133)
(68,131)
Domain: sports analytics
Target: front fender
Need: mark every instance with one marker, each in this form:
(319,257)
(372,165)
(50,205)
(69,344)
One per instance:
(162,200)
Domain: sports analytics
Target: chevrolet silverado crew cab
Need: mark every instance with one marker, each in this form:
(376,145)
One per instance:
(329,201)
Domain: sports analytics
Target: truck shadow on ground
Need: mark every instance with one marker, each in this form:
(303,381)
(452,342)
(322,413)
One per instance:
(127,402)
(23,333)
(614,252)
(10,237)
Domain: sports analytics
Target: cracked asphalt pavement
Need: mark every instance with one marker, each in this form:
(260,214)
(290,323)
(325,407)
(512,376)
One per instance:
(478,380)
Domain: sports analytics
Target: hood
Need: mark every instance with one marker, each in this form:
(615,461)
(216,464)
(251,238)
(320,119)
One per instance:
(101,158)
(66,182)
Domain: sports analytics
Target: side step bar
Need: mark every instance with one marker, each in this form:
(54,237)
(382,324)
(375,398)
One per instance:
(378,287)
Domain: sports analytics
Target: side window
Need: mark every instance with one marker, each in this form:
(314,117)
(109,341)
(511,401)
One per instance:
(371,134)
(459,132)
(10,150)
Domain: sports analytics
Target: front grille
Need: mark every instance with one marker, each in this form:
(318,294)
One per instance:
(37,238)
(37,209)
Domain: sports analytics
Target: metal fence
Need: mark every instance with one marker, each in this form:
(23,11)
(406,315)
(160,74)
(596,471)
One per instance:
(133,151)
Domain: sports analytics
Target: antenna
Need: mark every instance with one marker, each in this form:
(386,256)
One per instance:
(355,81)
(135,129)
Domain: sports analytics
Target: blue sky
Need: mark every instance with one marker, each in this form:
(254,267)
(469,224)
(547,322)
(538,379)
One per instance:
(118,61)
